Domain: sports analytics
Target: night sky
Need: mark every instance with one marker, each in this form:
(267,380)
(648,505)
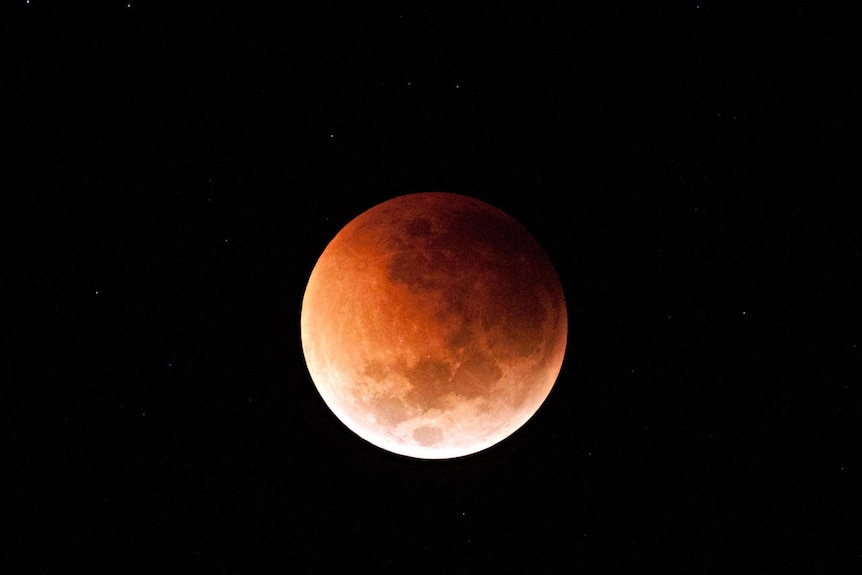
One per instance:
(172,174)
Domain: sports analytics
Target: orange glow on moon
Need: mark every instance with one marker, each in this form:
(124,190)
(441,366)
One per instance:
(433,325)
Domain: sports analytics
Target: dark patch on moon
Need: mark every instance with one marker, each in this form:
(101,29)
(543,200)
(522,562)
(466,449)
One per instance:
(429,378)
(375,369)
(420,227)
(390,410)
(428,372)
(428,435)
(387,409)
(415,269)
(476,376)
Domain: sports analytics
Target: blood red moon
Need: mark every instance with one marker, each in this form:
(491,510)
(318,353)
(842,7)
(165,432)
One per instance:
(433,325)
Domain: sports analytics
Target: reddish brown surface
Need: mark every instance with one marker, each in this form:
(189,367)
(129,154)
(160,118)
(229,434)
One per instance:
(433,325)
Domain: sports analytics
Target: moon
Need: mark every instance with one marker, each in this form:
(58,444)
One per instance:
(433,325)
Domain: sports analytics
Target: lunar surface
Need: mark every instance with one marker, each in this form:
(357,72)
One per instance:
(433,325)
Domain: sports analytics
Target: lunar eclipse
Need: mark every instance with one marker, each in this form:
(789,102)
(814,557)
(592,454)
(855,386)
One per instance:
(433,325)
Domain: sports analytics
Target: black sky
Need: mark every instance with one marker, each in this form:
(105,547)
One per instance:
(172,174)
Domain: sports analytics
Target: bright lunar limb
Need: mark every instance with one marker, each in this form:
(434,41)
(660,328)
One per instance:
(433,325)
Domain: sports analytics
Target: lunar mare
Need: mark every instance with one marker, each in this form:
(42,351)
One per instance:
(433,325)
